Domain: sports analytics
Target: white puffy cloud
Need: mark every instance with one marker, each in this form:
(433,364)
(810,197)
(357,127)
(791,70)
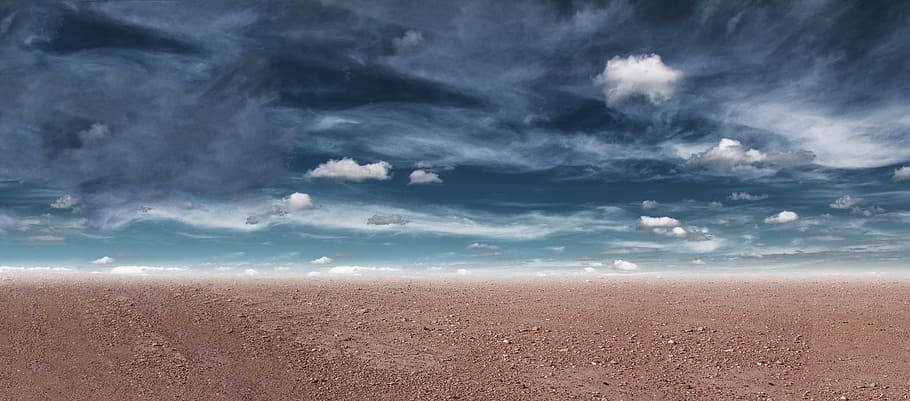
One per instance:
(624,265)
(479,245)
(297,201)
(644,75)
(901,174)
(323,260)
(387,220)
(348,169)
(104,260)
(648,204)
(845,202)
(729,156)
(647,222)
(65,202)
(745,196)
(409,39)
(424,177)
(785,216)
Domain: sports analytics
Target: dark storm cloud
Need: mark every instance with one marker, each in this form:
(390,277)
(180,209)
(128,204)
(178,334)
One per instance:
(122,102)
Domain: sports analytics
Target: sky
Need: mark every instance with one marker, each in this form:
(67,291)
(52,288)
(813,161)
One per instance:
(404,137)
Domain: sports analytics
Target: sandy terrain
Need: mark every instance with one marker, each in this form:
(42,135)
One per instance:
(548,339)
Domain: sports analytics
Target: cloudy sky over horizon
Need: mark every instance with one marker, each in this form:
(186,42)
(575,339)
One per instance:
(361,136)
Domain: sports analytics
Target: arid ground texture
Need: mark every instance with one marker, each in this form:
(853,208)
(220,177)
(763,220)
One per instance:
(604,338)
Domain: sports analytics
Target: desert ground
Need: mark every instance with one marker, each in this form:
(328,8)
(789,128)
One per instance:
(81,337)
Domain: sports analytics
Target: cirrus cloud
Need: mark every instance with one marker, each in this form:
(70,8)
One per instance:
(45,239)
(480,245)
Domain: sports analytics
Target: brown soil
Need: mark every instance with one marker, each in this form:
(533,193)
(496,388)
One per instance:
(549,339)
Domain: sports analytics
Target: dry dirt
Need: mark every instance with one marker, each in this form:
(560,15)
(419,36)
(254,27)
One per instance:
(79,338)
